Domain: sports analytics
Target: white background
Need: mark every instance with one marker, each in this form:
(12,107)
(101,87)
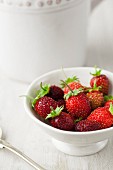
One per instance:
(23,133)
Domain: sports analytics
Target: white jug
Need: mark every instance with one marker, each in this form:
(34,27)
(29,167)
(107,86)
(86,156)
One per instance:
(37,36)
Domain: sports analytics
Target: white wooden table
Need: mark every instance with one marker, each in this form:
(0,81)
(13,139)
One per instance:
(22,132)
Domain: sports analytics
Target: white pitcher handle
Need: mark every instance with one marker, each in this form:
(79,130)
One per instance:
(94,3)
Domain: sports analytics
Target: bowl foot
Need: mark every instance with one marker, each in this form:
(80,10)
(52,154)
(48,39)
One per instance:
(72,149)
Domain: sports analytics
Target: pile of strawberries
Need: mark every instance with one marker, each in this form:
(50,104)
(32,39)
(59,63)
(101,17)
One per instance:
(75,107)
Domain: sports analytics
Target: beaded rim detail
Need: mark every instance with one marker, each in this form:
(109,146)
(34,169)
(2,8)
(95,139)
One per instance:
(34,4)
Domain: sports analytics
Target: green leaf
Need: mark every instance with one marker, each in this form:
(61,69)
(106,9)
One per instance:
(55,112)
(73,93)
(97,72)
(109,97)
(78,120)
(67,85)
(69,80)
(41,92)
(77,91)
(111,108)
(68,95)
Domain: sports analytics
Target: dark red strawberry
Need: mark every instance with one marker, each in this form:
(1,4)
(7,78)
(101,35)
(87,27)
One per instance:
(61,120)
(77,104)
(43,106)
(55,92)
(87,125)
(101,80)
(103,116)
(61,102)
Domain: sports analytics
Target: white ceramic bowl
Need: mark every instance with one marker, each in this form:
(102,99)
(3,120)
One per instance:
(73,143)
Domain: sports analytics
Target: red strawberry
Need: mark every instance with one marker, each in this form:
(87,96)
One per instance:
(108,101)
(103,116)
(95,97)
(77,104)
(61,120)
(72,82)
(55,92)
(107,104)
(43,106)
(87,125)
(73,86)
(101,80)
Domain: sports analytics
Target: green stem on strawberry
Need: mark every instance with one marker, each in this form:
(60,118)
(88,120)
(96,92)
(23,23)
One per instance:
(28,97)
(73,93)
(43,88)
(64,73)
(69,80)
(108,97)
(111,108)
(55,113)
(95,87)
(97,72)
(78,120)
(67,85)
(40,93)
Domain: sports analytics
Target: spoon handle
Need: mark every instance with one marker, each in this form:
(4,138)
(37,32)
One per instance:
(21,155)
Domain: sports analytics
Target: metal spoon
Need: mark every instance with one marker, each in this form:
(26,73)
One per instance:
(4,144)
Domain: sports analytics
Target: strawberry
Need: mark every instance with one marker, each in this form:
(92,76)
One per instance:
(73,86)
(107,104)
(43,106)
(55,92)
(108,101)
(101,80)
(61,102)
(43,91)
(73,83)
(77,104)
(60,119)
(103,116)
(87,125)
(95,97)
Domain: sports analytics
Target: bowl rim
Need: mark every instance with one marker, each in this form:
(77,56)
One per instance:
(27,109)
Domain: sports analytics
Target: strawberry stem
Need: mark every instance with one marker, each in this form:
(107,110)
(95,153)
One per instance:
(28,97)
(78,120)
(97,72)
(67,85)
(95,87)
(111,108)
(41,93)
(41,86)
(54,113)
(63,72)
(107,98)
(75,93)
